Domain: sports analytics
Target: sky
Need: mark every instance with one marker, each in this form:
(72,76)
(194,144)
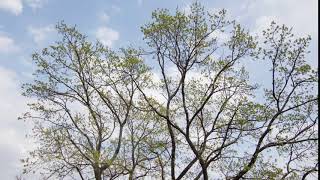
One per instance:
(27,26)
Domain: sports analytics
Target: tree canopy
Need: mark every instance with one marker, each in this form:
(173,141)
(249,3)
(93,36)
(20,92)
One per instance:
(183,107)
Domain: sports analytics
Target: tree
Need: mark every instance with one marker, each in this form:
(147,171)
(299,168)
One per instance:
(85,105)
(96,115)
(210,107)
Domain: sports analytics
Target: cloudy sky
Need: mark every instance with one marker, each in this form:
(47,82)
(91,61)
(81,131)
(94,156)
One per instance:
(27,26)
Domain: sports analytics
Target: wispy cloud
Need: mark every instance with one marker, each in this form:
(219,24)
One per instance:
(13,144)
(40,34)
(302,15)
(106,35)
(12,6)
(16,6)
(115,8)
(104,17)
(7,44)
(36,4)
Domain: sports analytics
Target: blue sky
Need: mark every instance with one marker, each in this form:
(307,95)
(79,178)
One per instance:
(27,26)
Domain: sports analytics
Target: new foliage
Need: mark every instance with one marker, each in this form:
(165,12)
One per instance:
(182,108)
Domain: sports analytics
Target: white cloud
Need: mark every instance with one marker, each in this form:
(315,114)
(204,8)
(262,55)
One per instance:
(7,44)
(222,37)
(40,34)
(16,6)
(301,15)
(12,6)
(115,8)
(262,23)
(36,4)
(13,145)
(107,35)
(104,17)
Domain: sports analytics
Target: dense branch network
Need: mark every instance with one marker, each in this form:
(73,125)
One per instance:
(183,108)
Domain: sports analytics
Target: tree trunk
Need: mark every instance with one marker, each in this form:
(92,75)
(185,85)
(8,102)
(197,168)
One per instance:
(97,173)
(204,170)
(205,174)
(173,151)
(130,176)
